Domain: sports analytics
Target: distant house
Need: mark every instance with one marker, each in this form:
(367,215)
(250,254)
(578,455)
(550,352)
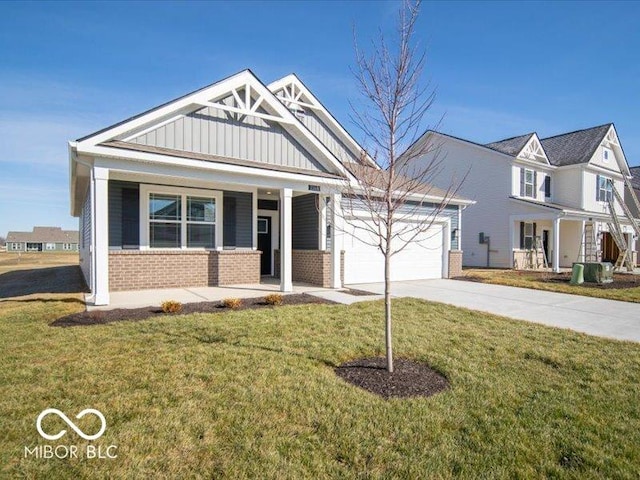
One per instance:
(43,239)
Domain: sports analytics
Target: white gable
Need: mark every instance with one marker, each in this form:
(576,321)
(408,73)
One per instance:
(236,117)
(610,155)
(533,151)
(308,109)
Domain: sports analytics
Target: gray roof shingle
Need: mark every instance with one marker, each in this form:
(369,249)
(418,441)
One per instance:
(574,147)
(511,146)
(635,181)
(45,235)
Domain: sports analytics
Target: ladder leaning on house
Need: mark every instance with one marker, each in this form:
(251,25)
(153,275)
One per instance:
(625,256)
(589,247)
(533,255)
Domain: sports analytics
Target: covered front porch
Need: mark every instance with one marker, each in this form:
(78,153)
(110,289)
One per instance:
(559,239)
(155,234)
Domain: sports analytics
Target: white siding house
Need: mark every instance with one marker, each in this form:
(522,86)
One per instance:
(532,192)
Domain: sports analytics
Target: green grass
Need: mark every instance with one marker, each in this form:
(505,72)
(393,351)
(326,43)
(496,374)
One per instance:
(528,279)
(252,394)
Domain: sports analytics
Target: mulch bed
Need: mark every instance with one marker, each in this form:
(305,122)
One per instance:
(101,317)
(620,281)
(409,379)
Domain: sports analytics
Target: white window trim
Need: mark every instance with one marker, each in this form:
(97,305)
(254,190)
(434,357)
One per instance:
(606,154)
(146,190)
(608,182)
(525,236)
(16,246)
(49,246)
(533,183)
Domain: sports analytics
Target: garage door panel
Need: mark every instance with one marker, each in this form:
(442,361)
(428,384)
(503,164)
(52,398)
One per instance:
(420,259)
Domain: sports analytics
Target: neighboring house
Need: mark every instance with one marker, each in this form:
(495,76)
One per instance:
(635,182)
(536,195)
(228,183)
(43,239)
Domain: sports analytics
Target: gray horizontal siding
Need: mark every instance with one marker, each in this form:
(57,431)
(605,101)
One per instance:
(217,132)
(425,208)
(304,222)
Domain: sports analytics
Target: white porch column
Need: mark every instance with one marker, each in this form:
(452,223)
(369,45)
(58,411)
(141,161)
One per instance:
(512,241)
(286,283)
(100,214)
(556,245)
(336,240)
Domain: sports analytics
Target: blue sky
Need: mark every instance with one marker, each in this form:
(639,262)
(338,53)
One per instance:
(500,69)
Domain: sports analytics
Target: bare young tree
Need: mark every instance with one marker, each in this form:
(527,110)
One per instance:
(3,241)
(398,201)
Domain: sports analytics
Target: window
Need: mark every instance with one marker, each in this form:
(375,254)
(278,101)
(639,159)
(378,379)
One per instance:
(165,220)
(67,246)
(528,234)
(606,155)
(263,225)
(16,246)
(528,183)
(181,218)
(50,246)
(605,189)
(201,222)
(547,186)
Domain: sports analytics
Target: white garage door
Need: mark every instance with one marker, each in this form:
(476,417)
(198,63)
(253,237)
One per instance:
(363,263)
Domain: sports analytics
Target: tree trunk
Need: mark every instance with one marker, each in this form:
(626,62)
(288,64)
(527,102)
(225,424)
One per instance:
(387,309)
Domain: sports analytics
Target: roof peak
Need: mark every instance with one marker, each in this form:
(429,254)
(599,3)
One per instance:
(579,131)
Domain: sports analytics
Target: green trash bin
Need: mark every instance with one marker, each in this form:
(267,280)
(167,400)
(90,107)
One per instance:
(577,274)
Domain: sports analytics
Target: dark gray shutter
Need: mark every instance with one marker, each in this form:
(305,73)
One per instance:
(130,218)
(535,184)
(534,230)
(522,182)
(521,235)
(547,186)
(229,221)
(597,188)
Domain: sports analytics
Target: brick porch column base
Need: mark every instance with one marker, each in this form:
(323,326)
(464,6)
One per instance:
(455,263)
(150,269)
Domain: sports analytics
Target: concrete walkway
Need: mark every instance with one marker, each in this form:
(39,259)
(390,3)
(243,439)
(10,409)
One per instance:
(605,318)
(153,298)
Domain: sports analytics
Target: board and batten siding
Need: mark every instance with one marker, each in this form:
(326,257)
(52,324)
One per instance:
(327,137)
(216,132)
(237,219)
(305,222)
(425,209)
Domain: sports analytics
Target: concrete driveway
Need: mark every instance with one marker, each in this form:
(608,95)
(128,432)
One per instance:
(604,318)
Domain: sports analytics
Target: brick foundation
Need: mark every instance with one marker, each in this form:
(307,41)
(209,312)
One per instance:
(148,269)
(455,263)
(310,266)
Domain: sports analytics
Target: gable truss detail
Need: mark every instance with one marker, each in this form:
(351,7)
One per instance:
(533,151)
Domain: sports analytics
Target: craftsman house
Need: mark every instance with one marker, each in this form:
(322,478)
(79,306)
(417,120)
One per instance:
(541,202)
(231,183)
(43,239)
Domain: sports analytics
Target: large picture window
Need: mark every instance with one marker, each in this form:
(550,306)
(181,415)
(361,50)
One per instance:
(179,219)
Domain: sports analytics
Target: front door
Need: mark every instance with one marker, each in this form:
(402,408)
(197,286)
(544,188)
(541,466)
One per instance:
(264,244)
(545,245)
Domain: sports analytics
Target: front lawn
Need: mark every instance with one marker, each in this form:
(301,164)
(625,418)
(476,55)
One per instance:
(625,288)
(253,394)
